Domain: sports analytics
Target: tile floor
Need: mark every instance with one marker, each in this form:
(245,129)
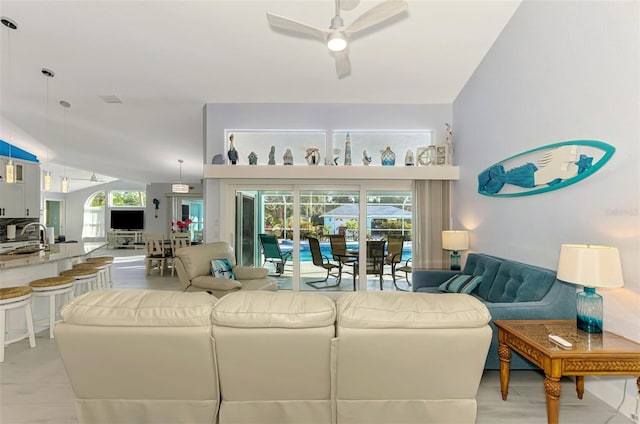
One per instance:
(34,387)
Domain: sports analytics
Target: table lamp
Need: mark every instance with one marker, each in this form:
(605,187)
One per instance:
(590,266)
(455,241)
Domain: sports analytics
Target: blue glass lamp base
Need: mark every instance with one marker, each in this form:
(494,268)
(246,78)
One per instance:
(455,260)
(589,305)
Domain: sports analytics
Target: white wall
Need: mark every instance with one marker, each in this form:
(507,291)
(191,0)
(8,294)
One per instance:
(560,70)
(162,192)
(287,116)
(74,205)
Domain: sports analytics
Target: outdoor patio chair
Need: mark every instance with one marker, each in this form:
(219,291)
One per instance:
(407,268)
(323,261)
(272,253)
(376,258)
(394,254)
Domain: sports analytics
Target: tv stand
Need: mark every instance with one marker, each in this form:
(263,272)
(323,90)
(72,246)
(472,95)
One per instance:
(124,239)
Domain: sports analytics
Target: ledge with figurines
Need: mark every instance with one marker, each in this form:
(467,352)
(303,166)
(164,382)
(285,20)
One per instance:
(436,172)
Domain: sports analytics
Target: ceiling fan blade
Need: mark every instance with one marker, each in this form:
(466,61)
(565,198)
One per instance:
(377,14)
(349,4)
(343,64)
(296,26)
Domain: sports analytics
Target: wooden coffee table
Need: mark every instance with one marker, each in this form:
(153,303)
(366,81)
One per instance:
(592,354)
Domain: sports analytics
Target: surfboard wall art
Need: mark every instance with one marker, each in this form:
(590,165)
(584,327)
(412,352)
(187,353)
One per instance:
(545,168)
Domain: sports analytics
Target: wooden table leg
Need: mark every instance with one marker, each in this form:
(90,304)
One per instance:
(580,386)
(552,390)
(504,352)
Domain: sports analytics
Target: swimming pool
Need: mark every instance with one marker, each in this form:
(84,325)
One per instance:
(325,248)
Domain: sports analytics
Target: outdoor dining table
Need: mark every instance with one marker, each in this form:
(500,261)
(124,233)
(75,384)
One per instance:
(349,257)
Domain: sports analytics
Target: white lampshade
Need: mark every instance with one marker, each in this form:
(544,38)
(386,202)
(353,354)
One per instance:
(337,42)
(179,188)
(590,266)
(64,184)
(455,240)
(46,181)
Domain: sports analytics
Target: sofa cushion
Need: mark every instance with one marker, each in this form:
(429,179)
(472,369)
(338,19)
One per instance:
(209,282)
(411,310)
(222,268)
(461,283)
(139,308)
(487,266)
(517,282)
(260,309)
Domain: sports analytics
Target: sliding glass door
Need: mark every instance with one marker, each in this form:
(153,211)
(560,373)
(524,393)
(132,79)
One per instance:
(307,219)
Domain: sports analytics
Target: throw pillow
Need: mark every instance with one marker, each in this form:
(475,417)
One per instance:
(221,268)
(461,283)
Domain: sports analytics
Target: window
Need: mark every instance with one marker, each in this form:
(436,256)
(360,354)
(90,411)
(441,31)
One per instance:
(94,216)
(123,199)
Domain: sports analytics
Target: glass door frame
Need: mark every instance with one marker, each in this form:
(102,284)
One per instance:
(228,218)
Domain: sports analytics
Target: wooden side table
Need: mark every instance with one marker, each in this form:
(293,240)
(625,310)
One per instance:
(592,354)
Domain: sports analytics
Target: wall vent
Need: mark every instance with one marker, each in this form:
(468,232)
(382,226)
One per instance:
(111,98)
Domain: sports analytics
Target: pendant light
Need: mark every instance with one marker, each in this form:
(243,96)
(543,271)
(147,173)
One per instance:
(46,178)
(10,169)
(180,188)
(64,180)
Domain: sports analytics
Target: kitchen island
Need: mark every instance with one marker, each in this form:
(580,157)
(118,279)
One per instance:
(21,269)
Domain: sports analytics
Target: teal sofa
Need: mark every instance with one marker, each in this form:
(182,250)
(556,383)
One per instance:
(510,290)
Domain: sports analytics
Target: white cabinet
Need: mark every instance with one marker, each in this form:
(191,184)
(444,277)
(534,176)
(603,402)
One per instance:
(124,239)
(31,190)
(20,199)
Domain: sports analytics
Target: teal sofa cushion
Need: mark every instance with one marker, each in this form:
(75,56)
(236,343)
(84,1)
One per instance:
(487,267)
(517,282)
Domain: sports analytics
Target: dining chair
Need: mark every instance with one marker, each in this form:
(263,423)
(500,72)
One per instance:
(178,240)
(407,268)
(323,261)
(156,252)
(272,253)
(376,259)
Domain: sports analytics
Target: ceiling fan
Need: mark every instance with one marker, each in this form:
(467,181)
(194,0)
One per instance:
(337,35)
(92,179)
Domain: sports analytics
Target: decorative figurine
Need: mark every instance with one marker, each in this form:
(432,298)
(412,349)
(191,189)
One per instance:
(288,157)
(336,154)
(347,150)
(253,158)
(388,157)
(366,159)
(217,159)
(408,158)
(272,155)
(232,154)
(313,155)
(448,137)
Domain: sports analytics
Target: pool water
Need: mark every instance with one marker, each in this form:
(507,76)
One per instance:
(325,248)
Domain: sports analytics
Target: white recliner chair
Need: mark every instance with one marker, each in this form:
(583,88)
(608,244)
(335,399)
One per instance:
(193,265)
(409,357)
(274,357)
(139,356)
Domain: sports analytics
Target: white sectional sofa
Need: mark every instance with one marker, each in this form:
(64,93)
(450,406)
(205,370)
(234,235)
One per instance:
(136,356)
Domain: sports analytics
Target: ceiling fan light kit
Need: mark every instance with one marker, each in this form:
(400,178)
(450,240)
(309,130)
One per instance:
(337,34)
(336,42)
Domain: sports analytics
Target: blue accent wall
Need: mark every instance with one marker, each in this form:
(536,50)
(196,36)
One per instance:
(16,152)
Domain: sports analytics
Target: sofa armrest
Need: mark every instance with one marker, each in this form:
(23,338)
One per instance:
(250,273)
(430,277)
(207,282)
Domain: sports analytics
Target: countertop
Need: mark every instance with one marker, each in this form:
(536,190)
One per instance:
(58,252)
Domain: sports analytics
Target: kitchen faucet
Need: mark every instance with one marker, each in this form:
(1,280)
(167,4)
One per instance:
(44,229)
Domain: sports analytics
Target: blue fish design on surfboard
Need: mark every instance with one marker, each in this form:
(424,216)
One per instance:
(545,168)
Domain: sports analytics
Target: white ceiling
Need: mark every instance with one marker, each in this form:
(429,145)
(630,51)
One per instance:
(166,59)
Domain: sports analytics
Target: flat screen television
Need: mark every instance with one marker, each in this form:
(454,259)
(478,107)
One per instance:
(127,220)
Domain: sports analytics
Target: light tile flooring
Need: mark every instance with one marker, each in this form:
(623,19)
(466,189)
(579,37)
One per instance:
(34,387)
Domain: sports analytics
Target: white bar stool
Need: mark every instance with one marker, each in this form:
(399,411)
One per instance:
(108,260)
(101,282)
(51,287)
(12,298)
(85,279)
